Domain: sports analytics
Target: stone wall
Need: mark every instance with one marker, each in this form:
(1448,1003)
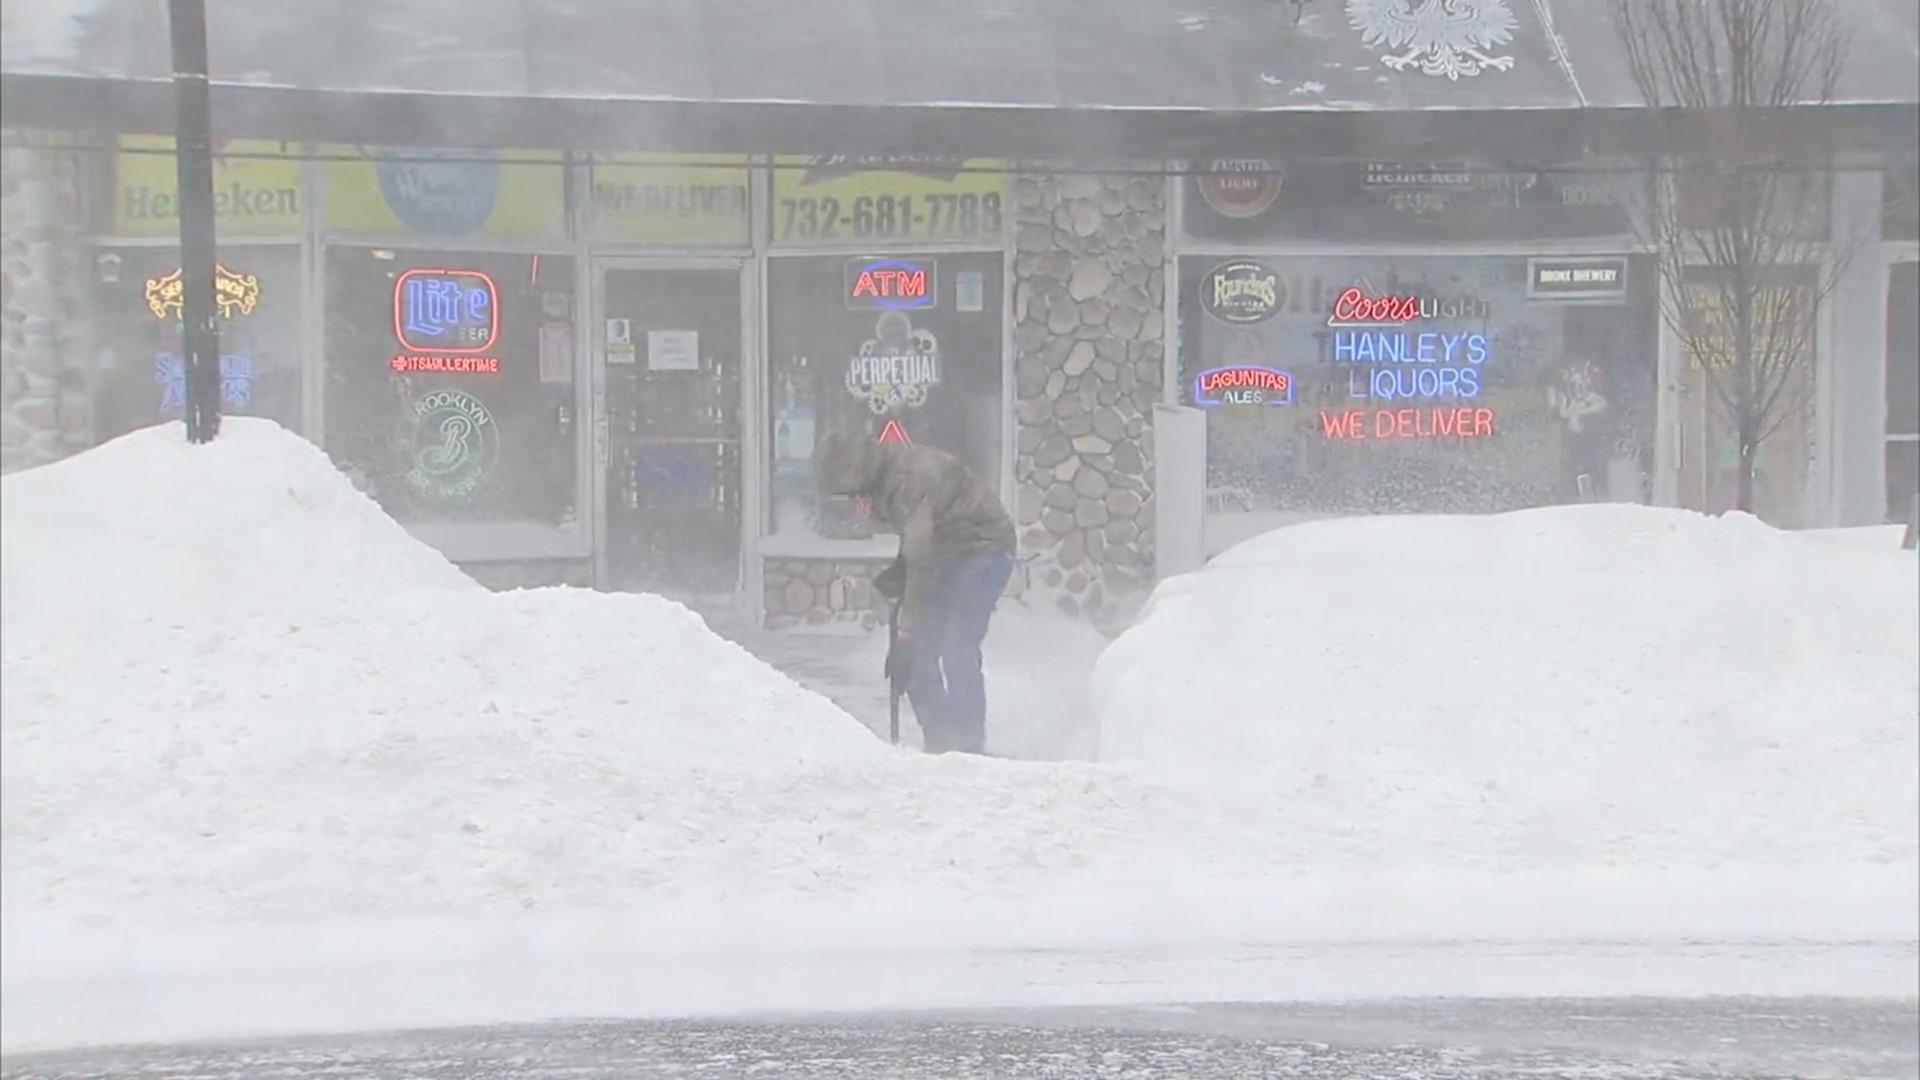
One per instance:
(44,411)
(530,573)
(817,592)
(1089,299)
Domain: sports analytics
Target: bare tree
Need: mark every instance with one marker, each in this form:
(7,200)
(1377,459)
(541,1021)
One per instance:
(1739,214)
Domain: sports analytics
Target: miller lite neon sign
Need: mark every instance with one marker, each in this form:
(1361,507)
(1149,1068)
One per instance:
(445,311)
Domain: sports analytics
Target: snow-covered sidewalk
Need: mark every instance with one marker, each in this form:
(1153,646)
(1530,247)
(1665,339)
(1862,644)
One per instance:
(259,745)
(1038,664)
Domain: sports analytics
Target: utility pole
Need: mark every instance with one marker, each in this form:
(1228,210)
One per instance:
(193,155)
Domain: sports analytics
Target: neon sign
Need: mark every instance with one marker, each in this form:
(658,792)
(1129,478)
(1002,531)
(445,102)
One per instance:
(452,445)
(1353,307)
(470,365)
(890,284)
(1242,385)
(894,433)
(1367,332)
(1459,423)
(235,294)
(448,311)
(236,379)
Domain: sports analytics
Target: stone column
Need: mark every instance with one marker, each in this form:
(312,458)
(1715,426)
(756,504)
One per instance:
(1088,300)
(43,401)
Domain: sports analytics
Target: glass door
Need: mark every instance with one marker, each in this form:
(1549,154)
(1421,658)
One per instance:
(670,361)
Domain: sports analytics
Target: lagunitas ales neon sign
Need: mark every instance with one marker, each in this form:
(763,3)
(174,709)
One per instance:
(446,321)
(1243,384)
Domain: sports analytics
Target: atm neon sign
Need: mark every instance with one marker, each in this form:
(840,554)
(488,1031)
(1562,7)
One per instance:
(892,284)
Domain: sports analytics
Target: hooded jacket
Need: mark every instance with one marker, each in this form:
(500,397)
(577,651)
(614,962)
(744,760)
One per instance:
(939,508)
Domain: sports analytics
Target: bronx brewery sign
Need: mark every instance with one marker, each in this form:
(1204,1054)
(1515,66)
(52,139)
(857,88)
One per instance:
(1241,291)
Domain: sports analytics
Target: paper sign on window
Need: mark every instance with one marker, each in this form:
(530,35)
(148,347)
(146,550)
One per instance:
(673,350)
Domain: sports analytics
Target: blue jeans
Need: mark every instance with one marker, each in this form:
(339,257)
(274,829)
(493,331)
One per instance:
(947,688)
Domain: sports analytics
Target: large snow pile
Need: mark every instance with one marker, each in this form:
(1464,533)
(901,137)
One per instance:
(268,763)
(234,688)
(1606,682)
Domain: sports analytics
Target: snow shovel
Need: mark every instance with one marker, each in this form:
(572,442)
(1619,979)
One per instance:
(891,584)
(893,684)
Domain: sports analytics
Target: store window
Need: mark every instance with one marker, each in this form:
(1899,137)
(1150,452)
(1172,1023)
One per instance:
(1900,202)
(1903,388)
(1430,384)
(449,384)
(139,376)
(904,348)
(1786,310)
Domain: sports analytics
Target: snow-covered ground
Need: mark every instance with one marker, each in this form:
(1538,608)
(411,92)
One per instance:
(261,750)
(1614,684)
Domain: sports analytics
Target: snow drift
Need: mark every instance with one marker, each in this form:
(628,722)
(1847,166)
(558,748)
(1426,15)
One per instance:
(1611,682)
(268,763)
(235,689)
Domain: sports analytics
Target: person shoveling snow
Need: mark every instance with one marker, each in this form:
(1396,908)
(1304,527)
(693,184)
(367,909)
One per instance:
(956,544)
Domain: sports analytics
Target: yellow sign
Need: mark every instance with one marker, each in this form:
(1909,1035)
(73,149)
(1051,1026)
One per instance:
(1776,327)
(856,201)
(252,196)
(672,198)
(446,193)
(233,292)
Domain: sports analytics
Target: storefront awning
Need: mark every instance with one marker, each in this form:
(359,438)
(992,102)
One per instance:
(1097,61)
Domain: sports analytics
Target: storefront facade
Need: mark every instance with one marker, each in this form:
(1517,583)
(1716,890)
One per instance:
(601,371)
(1375,337)
(1381,338)
(611,370)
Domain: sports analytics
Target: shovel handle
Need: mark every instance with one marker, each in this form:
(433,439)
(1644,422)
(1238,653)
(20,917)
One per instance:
(893,686)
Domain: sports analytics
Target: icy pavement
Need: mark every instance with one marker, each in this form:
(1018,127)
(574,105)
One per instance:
(830,665)
(1434,1039)
(1038,665)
